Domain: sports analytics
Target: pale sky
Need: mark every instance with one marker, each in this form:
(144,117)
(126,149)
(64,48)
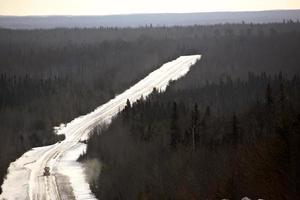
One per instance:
(107,7)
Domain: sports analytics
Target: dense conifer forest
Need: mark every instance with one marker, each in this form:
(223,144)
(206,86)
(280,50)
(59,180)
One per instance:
(213,134)
(239,138)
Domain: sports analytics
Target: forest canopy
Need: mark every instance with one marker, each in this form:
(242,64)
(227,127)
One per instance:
(48,77)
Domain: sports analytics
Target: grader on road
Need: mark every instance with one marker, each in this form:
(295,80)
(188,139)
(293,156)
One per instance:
(46,171)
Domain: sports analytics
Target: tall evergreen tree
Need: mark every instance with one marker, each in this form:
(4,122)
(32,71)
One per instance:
(206,116)
(282,96)
(175,135)
(269,98)
(195,124)
(127,109)
(235,130)
(128,104)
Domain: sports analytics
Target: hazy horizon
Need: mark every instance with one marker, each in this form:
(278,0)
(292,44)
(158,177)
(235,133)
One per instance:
(143,19)
(150,13)
(114,7)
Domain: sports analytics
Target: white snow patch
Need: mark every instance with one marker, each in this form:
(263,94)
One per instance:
(25,180)
(68,166)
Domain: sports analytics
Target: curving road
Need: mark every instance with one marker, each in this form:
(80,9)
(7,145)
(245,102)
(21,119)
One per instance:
(25,178)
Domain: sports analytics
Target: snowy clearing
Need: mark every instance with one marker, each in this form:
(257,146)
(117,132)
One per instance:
(25,178)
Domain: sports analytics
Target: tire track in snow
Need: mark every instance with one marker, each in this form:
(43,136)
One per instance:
(24,179)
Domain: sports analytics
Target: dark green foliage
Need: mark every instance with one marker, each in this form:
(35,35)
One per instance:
(194,126)
(174,129)
(45,81)
(269,98)
(52,76)
(195,115)
(128,104)
(243,154)
(235,130)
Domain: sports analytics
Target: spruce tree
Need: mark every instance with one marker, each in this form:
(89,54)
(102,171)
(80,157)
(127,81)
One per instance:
(235,130)
(175,136)
(128,104)
(282,97)
(269,98)
(127,109)
(195,123)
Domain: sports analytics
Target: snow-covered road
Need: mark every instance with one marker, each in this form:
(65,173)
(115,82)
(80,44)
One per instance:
(25,178)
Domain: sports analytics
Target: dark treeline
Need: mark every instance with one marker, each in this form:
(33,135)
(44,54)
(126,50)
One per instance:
(66,51)
(158,19)
(31,106)
(41,87)
(49,77)
(222,146)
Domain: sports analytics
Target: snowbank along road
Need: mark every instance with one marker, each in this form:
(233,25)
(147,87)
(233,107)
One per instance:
(25,178)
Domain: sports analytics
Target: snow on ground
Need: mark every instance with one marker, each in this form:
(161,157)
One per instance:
(68,166)
(25,180)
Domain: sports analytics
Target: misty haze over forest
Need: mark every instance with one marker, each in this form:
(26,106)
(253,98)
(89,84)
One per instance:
(136,20)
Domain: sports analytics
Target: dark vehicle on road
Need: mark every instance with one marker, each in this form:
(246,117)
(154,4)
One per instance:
(46,171)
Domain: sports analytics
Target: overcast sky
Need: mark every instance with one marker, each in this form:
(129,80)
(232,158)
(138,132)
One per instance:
(107,7)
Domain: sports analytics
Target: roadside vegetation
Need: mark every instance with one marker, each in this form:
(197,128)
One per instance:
(52,76)
(239,138)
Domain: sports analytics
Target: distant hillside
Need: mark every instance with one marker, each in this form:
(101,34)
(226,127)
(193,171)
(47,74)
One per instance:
(134,20)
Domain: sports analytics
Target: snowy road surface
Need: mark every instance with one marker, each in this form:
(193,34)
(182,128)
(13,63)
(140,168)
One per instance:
(25,178)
